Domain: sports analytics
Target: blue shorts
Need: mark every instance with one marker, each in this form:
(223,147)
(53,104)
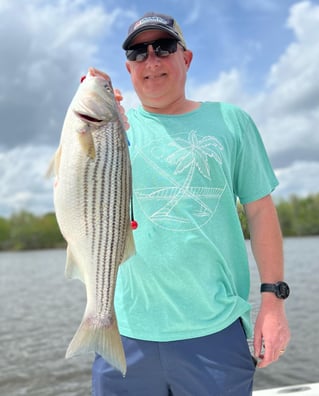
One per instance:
(216,365)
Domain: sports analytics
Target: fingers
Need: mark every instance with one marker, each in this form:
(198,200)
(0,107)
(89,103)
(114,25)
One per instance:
(268,354)
(267,357)
(272,333)
(95,72)
(270,357)
(118,95)
(268,350)
(258,345)
(123,116)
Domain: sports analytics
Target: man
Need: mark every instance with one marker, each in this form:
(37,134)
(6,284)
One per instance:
(181,302)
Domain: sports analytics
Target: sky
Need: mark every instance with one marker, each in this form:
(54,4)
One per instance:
(261,55)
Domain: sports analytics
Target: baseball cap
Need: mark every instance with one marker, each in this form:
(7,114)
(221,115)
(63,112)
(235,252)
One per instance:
(154,21)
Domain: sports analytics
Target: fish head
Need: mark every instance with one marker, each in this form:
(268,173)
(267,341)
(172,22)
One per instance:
(94,103)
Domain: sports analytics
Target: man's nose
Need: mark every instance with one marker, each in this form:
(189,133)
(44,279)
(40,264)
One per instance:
(151,53)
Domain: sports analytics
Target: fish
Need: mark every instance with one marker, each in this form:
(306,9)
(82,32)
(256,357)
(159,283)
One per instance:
(92,193)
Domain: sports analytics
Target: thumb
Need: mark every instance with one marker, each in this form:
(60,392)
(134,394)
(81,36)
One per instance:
(258,344)
(117,94)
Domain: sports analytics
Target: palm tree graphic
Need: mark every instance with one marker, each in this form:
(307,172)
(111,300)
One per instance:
(191,154)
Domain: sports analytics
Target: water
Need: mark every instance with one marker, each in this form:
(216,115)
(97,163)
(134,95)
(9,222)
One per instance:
(40,312)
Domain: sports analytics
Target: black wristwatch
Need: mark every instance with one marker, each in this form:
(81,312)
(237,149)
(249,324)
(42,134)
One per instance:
(280,289)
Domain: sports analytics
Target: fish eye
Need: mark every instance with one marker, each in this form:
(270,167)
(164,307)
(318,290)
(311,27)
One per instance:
(108,87)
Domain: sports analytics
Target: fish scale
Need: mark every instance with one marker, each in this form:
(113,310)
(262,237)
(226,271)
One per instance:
(105,273)
(92,198)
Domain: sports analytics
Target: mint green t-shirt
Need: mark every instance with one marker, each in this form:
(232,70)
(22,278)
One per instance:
(190,277)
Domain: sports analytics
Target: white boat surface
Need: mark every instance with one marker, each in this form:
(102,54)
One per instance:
(297,390)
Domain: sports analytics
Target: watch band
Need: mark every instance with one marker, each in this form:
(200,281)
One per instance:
(280,289)
(268,287)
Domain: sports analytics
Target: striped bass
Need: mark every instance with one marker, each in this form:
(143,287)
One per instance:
(92,197)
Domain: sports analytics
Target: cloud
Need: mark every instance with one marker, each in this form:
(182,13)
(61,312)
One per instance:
(24,185)
(294,78)
(44,47)
(286,109)
(289,105)
(228,87)
(194,13)
(300,177)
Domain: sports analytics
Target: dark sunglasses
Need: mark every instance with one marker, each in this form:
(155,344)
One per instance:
(161,47)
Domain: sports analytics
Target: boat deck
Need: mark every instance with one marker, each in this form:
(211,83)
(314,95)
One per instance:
(296,390)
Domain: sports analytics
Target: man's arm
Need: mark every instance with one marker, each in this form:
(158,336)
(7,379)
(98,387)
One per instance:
(271,329)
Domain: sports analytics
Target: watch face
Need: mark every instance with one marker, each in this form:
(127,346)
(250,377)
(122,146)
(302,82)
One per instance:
(282,290)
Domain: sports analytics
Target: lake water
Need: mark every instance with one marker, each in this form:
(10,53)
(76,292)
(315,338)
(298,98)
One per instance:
(40,312)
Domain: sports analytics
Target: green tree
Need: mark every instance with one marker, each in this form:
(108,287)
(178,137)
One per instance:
(243,220)
(23,230)
(4,233)
(30,232)
(306,214)
(286,218)
(50,235)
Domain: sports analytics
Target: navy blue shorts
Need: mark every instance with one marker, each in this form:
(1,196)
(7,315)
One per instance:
(216,365)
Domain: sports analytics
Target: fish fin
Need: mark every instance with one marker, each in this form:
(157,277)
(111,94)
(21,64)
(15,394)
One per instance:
(129,245)
(104,339)
(72,270)
(54,165)
(87,144)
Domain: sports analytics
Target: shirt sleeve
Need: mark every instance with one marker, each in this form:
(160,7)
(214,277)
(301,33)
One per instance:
(254,177)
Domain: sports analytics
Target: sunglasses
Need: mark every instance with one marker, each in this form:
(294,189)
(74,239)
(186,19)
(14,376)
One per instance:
(162,48)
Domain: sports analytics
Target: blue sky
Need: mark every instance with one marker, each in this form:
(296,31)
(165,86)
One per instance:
(262,55)
(247,34)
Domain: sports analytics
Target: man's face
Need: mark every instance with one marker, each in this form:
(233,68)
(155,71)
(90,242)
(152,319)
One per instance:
(159,80)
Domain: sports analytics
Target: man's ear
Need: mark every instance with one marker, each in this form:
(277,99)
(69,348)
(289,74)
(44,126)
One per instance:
(128,67)
(188,56)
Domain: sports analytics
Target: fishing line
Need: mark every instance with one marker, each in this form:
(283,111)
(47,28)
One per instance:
(134,223)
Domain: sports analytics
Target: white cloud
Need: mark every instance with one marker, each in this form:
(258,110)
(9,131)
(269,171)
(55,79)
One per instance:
(23,180)
(293,79)
(286,110)
(303,20)
(194,14)
(47,47)
(130,100)
(300,176)
(52,43)
(289,106)
(228,88)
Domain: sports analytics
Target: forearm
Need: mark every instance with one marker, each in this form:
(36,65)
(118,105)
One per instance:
(266,239)
(272,334)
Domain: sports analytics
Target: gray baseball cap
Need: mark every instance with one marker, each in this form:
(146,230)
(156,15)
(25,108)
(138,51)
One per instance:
(154,21)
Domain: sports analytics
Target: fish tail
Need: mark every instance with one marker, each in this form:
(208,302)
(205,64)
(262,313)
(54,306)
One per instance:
(104,339)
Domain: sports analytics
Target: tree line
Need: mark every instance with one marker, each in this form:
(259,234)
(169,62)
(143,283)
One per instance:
(297,216)
(26,231)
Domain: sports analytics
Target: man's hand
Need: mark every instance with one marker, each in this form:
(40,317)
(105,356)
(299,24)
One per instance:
(119,98)
(272,333)
(117,94)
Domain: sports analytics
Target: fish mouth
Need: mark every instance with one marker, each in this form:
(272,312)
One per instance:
(88,118)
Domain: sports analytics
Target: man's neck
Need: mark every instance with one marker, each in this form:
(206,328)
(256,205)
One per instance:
(178,107)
